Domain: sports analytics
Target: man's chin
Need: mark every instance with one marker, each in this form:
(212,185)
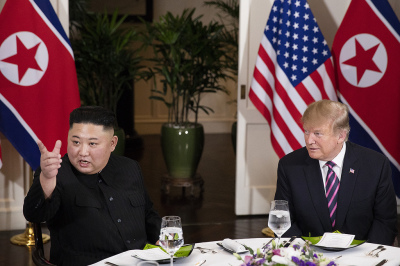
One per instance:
(314,154)
(84,170)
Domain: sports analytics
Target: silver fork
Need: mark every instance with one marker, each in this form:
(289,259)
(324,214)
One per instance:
(372,251)
(382,249)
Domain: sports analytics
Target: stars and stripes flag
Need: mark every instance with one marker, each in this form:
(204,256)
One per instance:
(293,69)
(38,82)
(366,51)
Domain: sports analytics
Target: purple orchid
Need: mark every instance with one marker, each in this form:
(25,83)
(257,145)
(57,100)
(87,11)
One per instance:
(276,252)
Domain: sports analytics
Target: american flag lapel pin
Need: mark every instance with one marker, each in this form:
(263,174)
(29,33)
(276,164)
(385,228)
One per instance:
(351,171)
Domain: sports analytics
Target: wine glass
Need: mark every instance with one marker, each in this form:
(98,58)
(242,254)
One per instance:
(279,218)
(171,235)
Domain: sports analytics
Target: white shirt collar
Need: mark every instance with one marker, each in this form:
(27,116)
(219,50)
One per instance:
(338,160)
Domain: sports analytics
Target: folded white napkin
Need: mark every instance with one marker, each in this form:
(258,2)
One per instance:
(233,245)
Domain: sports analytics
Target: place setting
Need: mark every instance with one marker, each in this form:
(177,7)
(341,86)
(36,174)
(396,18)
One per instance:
(332,248)
(171,242)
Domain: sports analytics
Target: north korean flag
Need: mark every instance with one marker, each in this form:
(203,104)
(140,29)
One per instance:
(38,82)
(366,52)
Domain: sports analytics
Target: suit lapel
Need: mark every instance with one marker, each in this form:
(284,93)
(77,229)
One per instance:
(347,184)
(317,193)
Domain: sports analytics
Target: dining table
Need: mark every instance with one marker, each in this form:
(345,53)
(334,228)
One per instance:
(366,254)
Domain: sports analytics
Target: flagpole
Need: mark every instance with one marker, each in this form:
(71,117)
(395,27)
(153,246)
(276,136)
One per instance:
(28,237)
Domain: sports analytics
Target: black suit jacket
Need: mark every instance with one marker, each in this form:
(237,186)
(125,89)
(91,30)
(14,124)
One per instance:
(367,204)
(92,217)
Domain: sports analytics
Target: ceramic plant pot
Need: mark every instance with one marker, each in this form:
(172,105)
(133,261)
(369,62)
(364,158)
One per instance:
(182,149)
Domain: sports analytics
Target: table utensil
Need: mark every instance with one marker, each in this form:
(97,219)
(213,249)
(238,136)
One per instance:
(372,251)
(289,241)
(206,250)
(200,263)
(376,254)
(171,235)
(110,263)
(381,263)
(269,242)
(279,218)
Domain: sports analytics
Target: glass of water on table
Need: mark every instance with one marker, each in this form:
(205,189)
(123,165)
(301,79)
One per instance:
(171,235)
(279,218)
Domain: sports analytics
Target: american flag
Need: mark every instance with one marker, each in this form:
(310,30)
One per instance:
(293,69)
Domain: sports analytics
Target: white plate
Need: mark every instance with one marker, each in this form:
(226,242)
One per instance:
(163,261)
(337,249)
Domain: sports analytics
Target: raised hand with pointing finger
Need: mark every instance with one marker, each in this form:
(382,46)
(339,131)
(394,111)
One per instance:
(50,162)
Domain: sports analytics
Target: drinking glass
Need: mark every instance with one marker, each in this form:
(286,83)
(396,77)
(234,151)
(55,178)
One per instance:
(279,218)
(171,236)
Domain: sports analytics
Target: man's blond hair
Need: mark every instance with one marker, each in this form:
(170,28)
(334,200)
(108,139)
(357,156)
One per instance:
(322,111)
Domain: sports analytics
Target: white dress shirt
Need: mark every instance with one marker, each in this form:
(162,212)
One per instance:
(338,160)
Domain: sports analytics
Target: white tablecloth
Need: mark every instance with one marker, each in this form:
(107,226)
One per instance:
(352,256)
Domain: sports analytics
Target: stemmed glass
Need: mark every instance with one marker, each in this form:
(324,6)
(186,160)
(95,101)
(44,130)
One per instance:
(279,218)
(171,235)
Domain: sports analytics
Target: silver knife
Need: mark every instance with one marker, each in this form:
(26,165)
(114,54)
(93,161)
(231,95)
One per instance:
(381,263)
(290,241)
(265,246)
(200,263)
(110,263)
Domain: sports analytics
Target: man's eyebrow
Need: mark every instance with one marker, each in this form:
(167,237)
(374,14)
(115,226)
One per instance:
(93,138)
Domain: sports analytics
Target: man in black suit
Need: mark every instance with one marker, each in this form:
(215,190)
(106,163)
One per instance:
(362,198)
(94,202)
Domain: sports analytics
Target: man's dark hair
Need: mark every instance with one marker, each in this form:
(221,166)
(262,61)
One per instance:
(96,115)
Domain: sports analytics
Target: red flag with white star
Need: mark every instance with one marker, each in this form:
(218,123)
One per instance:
(38,82)
(366,52)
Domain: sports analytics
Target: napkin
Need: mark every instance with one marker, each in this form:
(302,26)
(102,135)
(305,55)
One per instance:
(233,245)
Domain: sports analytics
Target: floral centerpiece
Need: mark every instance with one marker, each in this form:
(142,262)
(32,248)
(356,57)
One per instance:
(292,255)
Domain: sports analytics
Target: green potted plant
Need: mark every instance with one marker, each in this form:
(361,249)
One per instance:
(106,61)
(189,60)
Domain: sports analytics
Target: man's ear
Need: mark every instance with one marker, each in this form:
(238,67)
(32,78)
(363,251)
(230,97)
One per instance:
(342,136)
(114,141)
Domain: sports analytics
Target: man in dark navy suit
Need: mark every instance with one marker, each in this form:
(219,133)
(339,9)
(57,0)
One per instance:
(353,193)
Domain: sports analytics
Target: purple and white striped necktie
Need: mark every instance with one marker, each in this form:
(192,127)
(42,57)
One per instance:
(332,187)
